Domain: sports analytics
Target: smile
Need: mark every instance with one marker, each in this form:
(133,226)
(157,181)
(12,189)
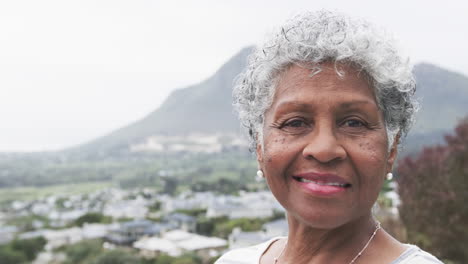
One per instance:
(323,183)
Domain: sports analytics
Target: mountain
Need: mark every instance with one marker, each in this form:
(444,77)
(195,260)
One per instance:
(202,108)
(206,108)
(443,96)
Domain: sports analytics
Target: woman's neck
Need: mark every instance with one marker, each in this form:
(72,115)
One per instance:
(307,244)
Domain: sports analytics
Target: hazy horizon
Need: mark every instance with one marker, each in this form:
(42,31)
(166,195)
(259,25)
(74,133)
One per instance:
(74,71)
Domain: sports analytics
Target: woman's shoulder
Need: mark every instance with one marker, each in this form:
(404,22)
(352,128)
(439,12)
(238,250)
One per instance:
(415,255)
(247,255)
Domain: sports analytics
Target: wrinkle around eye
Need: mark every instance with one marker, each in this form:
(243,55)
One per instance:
(295,126)
(355,123)
(295,123)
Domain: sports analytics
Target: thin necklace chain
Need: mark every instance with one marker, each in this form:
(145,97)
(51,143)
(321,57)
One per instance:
(377,227)
(284,247)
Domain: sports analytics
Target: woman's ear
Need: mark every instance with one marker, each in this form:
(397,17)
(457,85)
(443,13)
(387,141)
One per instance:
(259,152)
(393,153)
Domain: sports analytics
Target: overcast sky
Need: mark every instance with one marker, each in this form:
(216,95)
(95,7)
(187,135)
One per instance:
(71,71)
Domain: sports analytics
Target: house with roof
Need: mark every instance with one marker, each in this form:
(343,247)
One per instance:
(55,238)
(178,242)
(247,205)
(239,238)
(129,232)
(187,201)
(94,230)
(127,209)
(182,221)
(152,247)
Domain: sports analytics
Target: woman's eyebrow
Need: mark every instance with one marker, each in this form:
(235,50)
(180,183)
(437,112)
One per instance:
(351,104)
(297,105)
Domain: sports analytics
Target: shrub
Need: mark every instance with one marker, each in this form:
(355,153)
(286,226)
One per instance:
(433,189)
(29,247)
(93,218)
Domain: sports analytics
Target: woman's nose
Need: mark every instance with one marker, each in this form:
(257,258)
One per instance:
(323,146)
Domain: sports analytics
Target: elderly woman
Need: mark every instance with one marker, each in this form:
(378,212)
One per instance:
(326,101)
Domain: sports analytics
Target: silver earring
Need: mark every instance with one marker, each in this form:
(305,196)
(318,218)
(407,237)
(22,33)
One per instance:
(389,176)
(260,175)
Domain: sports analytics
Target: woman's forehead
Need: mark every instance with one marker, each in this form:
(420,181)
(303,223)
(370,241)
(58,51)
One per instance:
(297,81)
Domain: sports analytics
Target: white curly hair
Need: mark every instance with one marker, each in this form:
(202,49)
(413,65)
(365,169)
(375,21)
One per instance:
(312,38)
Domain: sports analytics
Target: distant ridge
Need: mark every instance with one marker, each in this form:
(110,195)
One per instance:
(444,97)
(444,101)
(202,108)
(206,108)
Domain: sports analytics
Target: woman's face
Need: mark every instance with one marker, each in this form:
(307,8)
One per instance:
(325,152)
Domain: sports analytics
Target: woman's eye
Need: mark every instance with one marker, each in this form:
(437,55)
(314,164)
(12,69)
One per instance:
(354,123)
(294,126)
(295,123)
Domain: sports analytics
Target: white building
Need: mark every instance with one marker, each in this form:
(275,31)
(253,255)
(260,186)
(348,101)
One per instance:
(178,242)
(239,238)
(247,205)
(127,209)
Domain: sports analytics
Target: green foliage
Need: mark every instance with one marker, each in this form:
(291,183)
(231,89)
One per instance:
(223,226)
(192,212)
(26,222)
(226,172)
(170,186)
(222,185)
(93,218)
(164,259)
(21,251)
(156,206)
(116,257)
(83,252)
(31,193)
(187,259)
(212,260)
(432,187)
(29,247)
(223,229)
(206,226)
(9,255)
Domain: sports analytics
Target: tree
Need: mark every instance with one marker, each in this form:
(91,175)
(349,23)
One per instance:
(116,257)
(433,189)
(93,218)
(83,251)
(8,255)
(170,186)
(29,247)
(187,259)
(164,259)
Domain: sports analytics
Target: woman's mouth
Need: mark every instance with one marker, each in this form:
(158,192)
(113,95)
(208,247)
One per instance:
(322,185)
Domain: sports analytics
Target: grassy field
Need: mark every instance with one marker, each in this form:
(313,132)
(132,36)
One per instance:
(31,193)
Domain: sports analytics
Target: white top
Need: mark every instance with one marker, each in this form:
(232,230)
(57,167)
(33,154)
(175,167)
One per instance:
(251,255)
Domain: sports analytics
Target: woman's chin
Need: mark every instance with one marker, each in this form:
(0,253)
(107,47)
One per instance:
(317,219)
(323,215)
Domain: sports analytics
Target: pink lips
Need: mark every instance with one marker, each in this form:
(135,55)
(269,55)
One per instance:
(321,184)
